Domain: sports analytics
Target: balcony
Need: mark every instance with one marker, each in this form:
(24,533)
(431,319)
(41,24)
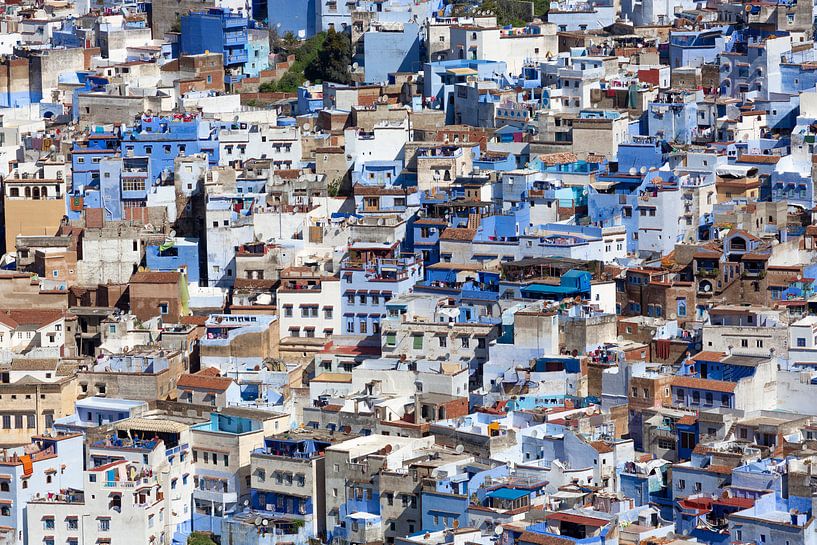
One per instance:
(235,38)
(237,57)
(753,273)
(706,272)
(216,496)
(234,22)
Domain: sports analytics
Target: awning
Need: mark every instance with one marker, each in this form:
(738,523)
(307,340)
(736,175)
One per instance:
(508,494)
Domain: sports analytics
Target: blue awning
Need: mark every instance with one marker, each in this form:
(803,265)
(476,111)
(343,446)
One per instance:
(508,493)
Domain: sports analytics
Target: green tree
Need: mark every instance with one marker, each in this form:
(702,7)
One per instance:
(200,538)
(333,60)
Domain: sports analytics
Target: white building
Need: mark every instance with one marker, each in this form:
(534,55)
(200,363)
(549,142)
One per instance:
(309,303)
(46,467)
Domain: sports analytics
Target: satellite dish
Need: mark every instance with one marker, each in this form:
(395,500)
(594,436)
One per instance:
(307,127)
(265,522)
(172,233)
(498,529)
(707,287)
(459,449)
(643,170)
(246,503)
(258,521)
(355,66)
(633,171)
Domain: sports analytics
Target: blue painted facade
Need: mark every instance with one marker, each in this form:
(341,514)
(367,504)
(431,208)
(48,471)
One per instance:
(697,48)
(165,138)
(440,79)
(673,119)
(257,53)
(440,510)
(388,51)
(300,18)
(218,31)
(174,255)
(369,281)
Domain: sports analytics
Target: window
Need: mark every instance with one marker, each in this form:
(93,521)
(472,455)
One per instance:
(391,340)
(801,342)
(417,342)
(104,525)
(465,342)
(133,184)
(163,308)
(226,459)
(48,524)
(443,341)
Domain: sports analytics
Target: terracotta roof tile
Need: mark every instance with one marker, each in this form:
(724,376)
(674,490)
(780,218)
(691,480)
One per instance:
(203,382)
(542,539)
(704,384)
(708,355)
(154,277)
(559,158)
(461,234)
(36,317)
(601,447)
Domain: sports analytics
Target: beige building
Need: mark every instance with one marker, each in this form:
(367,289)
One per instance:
(137,373)
(32,205)
(34,393)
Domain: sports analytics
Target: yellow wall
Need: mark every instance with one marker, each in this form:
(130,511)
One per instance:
(32,217)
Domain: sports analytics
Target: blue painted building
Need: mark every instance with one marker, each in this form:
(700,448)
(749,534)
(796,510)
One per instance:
(773,520)
(174,255)
(165,138)
(282,492)
(791,181)
(299,18)
(427,233)
(257,52)
(391,48)
(218,31)
(697,47)
(674,116)
(124,183)
(440,79)
(371,275)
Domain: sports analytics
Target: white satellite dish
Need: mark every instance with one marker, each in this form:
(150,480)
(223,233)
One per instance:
(172,233)
(633,171)
(355,66)
(459,449)
(257,521)
(265,522)
(498,529)
(307,127)
(643,170)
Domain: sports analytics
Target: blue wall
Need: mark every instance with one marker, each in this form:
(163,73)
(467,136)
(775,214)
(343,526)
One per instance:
(389,52)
